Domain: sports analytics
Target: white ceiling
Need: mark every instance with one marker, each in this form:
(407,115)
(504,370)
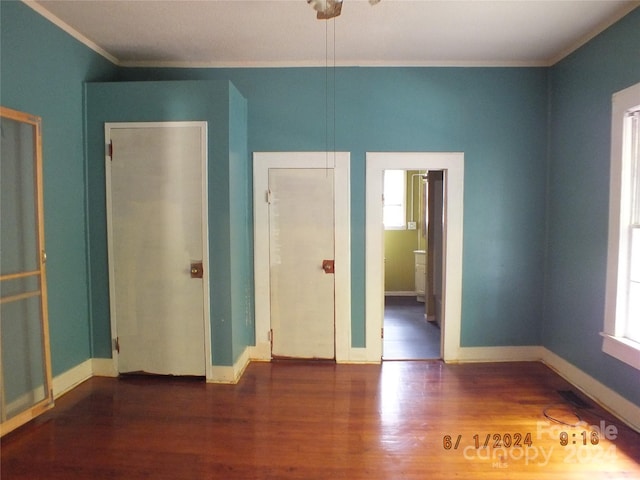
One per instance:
(287,33)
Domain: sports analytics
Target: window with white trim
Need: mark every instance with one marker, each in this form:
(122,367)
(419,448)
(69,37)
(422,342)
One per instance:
(621,335)
(394,200)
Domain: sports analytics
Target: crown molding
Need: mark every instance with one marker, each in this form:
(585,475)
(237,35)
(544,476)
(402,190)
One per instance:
(71,31)
(592,34)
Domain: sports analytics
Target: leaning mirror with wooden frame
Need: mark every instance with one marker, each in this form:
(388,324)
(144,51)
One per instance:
(25,365)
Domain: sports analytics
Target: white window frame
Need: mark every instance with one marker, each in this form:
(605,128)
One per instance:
(402,221)
(615,343)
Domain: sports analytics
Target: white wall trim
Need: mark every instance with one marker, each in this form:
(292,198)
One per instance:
(591,34)
(321,63)
(71,31)
(72,378)
(360,356)
(402,293)
(260,352)
(527,353)
(592,388)
(225,374)
(340,163)
(103,367)
(452,163)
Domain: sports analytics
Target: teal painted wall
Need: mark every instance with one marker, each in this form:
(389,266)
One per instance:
(240,226)
(41,72)
(581,87)
(212,101)
(496,116)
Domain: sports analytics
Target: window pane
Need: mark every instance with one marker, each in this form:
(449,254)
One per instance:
(394,187)
(633,318)
(22,363)
(18,286)
(17,197)
(633,300)
(634,251)
(635,166)
(394,198)
(393,217)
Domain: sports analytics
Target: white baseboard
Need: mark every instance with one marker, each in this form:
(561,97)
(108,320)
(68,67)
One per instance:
(622,408)
(72,378)
(103,367)
(261,352)
(360,355)
(224,374)
(497,354)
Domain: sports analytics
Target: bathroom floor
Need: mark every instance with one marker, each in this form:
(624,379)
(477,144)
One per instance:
(407,334)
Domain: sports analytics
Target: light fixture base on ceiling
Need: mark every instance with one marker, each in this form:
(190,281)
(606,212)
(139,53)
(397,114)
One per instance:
(326,8)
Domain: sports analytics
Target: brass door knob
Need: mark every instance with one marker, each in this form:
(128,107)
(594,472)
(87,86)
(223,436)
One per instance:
(328,266)
(197,270)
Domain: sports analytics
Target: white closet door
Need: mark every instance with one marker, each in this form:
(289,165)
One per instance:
(301,238)
(156,235)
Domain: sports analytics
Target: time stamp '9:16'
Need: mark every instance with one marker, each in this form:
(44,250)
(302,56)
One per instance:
(501,448)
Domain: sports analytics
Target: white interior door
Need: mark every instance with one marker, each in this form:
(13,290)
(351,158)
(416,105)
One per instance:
(338,163)
(301,252)
(155,214)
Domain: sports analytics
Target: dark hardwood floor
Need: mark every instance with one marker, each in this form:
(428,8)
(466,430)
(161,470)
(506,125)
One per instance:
(288,420)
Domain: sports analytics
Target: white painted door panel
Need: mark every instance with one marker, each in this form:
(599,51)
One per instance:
(301,236)
(156,233)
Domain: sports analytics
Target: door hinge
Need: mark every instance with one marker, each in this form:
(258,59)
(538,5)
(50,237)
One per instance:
(270,335)
(43,256)
(116,344)
(109,148)
(268,197)
(382,333)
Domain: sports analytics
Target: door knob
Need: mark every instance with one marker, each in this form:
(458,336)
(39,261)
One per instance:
(197,270)
(328,266)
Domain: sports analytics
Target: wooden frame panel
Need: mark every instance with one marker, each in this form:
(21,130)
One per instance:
(46,403)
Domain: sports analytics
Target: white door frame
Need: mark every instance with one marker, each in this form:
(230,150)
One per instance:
(452,163)
(340,163)
(205,232)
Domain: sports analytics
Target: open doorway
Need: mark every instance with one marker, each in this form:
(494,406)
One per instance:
(451,164)
(413,225)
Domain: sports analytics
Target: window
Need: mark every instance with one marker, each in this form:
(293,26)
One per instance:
(621,336)
(394,195)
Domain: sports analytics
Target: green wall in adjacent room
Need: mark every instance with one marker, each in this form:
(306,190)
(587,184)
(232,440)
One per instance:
(399,261)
